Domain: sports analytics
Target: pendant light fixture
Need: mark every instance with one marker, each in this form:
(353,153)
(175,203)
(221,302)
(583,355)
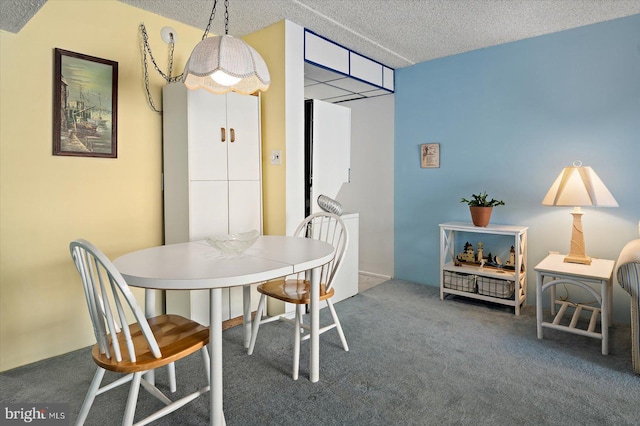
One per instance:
(224,63)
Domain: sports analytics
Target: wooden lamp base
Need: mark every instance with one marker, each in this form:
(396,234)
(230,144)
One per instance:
(577,252)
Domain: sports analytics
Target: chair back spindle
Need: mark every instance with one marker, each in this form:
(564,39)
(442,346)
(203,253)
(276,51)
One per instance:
(329,228)
(104,286)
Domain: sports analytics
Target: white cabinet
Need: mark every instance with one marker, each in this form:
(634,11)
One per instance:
(212,177)
(460,275)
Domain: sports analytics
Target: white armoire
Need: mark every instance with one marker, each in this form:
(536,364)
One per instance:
(212,178)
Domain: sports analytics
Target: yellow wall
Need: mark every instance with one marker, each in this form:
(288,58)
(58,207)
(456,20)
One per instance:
(270,43)
(46,201)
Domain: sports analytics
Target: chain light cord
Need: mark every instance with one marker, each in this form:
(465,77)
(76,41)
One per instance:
(226,17)
(147,51)
(213,13)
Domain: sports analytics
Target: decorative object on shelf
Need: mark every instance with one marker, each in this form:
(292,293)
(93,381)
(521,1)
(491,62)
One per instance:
(223,64)
(470,257)
(481,208)
(234,244)
(330,205)
(218,64)
(578,186)
(85,105)
(430,155)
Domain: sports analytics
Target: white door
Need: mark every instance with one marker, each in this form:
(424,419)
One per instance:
(331,150)
(245,211)
(208,136)
(244,153)
(209,214)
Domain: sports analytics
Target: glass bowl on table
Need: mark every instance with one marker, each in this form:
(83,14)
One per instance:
(233,244)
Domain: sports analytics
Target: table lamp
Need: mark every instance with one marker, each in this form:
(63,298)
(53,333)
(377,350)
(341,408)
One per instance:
(578,186)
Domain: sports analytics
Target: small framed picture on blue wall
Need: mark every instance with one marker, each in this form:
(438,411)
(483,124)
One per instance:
(430,155)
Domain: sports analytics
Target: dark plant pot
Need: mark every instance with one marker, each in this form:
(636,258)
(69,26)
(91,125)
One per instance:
(480,215)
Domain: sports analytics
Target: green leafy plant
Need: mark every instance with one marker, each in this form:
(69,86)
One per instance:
(480,200)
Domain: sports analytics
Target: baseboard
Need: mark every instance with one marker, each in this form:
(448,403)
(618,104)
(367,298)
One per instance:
(373,274)
(233,322)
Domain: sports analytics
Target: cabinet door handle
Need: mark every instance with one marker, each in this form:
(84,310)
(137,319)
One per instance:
(233,134)
(223,134)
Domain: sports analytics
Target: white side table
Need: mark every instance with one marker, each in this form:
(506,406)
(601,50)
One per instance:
(598,273)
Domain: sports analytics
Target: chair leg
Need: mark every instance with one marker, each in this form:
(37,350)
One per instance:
(130,409)
(338,326)
(296,342)
(91,396)
(154,391)
(207,365)
(171,371)
(256,323)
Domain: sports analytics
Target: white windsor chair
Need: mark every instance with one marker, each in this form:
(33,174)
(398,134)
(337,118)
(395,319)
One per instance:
(324,227)
(131,349)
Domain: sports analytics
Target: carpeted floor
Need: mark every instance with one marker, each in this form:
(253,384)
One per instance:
(414,360)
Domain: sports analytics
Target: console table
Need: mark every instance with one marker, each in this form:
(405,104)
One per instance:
(503,286)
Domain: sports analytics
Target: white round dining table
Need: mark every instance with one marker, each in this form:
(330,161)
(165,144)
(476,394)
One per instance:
(197,265)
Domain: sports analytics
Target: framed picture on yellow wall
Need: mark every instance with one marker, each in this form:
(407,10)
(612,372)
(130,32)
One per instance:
(430,155)
(85,106)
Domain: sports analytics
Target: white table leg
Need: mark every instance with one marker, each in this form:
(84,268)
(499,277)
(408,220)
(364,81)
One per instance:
(604,316)
(246,314)
(150,311)
(610,307)
(215,352)
(539,280)
(314,365)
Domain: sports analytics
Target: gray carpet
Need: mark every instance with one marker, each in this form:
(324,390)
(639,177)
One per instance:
(414,360)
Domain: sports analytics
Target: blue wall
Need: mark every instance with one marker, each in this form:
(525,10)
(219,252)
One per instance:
(508,119)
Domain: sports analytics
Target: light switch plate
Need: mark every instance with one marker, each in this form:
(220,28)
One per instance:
(276,157)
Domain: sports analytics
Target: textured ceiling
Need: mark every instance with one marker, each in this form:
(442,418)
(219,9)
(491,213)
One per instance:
(14,14)
(397,33)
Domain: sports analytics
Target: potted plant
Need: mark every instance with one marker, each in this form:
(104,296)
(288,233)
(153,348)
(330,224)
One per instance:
(481,208)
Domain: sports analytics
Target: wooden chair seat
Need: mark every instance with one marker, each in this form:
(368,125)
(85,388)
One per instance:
(293,291)
(177,338)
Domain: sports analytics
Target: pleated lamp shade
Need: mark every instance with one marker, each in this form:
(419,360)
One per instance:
(234,65)
(579,186)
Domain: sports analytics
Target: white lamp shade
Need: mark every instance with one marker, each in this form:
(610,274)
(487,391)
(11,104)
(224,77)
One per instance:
(233,57)
(579,186)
